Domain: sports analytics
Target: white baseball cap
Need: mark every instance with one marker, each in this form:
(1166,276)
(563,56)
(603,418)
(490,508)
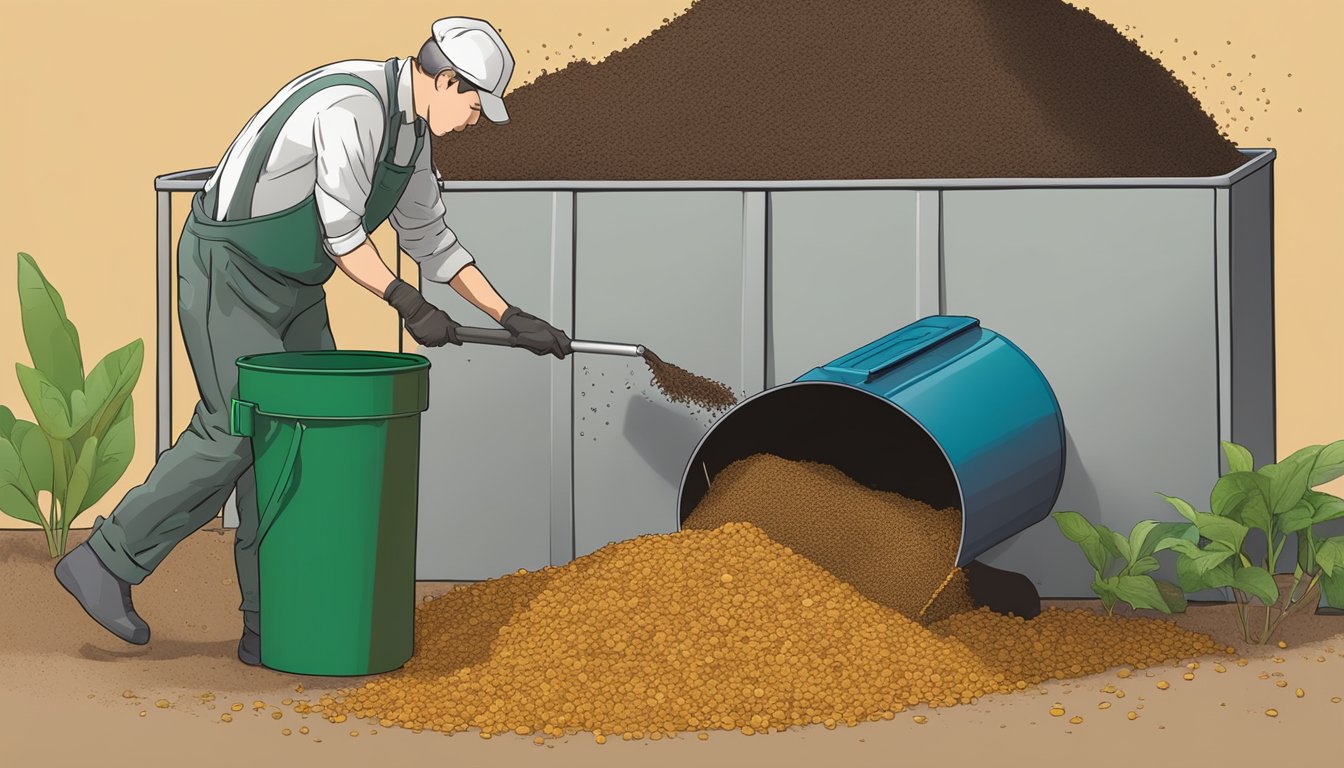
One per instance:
(479,54)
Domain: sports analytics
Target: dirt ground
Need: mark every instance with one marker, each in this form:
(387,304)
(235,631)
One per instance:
(63,680)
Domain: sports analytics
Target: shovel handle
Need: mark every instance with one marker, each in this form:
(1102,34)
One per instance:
(502,338)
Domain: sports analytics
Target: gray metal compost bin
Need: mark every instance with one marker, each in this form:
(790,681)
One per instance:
(1147,303)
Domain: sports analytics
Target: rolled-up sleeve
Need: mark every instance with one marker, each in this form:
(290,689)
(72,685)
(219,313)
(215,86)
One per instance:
(346,138)
(422,229)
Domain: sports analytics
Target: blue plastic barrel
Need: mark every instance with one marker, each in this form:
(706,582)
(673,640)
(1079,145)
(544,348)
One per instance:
(942,410)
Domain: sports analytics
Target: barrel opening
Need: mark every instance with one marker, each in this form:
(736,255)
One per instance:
(863,435)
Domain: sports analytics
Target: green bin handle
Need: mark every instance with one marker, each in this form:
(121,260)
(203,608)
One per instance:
(241,424)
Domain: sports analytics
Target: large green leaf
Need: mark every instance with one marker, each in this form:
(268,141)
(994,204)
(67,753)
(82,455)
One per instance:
(115,451)
(1142,566)
(1162,531)
(17,506)
(1333,589)
(1077,529)
(1327,465)
(1256,581)
(1141,592)
(17,497)
(6,421)
(1238,458)
(107,388)
(47,401)
(1298,518)
(1306,551)
(1330,555)
(52,339)
(1138,536)
(1200,560)
(1221,530)
(1192,580)
(1117,543)
(1173,595)
(1324,506)
(1288,479)
(35,450)
(1242,496)
(1105,590)
(11,469)
(80,475)
(1182,506)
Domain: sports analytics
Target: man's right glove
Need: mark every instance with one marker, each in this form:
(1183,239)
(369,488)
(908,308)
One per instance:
(426,323)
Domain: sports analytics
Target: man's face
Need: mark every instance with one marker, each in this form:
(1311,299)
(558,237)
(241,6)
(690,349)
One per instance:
(450,109)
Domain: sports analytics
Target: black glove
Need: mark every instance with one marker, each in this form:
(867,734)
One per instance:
(535,334)
(426,323)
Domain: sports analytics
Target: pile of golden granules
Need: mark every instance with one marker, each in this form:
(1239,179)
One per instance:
(892,549)
(714,629)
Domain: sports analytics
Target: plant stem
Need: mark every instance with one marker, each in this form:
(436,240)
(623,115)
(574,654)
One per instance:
(1294,606)
(1241,617)
(53,527)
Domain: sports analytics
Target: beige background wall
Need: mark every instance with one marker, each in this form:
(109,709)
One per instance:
(168,84)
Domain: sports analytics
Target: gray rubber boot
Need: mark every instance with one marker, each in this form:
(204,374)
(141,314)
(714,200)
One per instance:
(249,648)
(106,598)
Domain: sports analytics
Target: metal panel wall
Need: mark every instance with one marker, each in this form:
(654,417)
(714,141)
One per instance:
(1112,294)
(681,273)
(486,446)
(1251,219)
(842,272)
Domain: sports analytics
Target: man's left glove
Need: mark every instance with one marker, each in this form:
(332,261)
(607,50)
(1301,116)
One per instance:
(535,334)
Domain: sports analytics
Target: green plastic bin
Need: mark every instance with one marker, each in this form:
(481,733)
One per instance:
(336,444)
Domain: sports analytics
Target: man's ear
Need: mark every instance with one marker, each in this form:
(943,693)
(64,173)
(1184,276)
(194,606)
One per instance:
(444,79)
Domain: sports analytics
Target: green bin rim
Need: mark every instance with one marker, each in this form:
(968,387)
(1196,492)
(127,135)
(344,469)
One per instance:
(303,362)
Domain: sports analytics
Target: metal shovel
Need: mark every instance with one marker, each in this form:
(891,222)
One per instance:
(502,338)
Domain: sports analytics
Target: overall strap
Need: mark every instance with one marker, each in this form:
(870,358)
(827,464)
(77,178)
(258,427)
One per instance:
(240,207)
(394,118)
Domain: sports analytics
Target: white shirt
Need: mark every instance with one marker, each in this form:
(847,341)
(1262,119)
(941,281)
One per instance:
(329,148)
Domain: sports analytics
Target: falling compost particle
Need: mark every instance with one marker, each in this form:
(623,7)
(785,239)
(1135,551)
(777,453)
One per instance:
(1163,685)
(1104,705)
(1076,720)
(226,717)
(128,694)
(143,713)
(1186,676)
(920,719)
(237,707)
(1132,715)
(1299,693)
(161,703)
(1272,712)
(285,732)
(1057,711)
(682,386)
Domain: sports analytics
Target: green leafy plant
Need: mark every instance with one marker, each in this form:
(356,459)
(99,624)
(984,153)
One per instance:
(1121,564)
(1278,501)
(85,432)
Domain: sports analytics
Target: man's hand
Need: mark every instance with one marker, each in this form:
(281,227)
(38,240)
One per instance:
(535,334)
(426,323)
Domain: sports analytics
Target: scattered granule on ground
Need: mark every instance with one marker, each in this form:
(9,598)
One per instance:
(892,549)
(712,629)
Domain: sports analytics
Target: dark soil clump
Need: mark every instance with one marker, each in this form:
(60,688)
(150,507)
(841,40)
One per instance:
(861,89)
